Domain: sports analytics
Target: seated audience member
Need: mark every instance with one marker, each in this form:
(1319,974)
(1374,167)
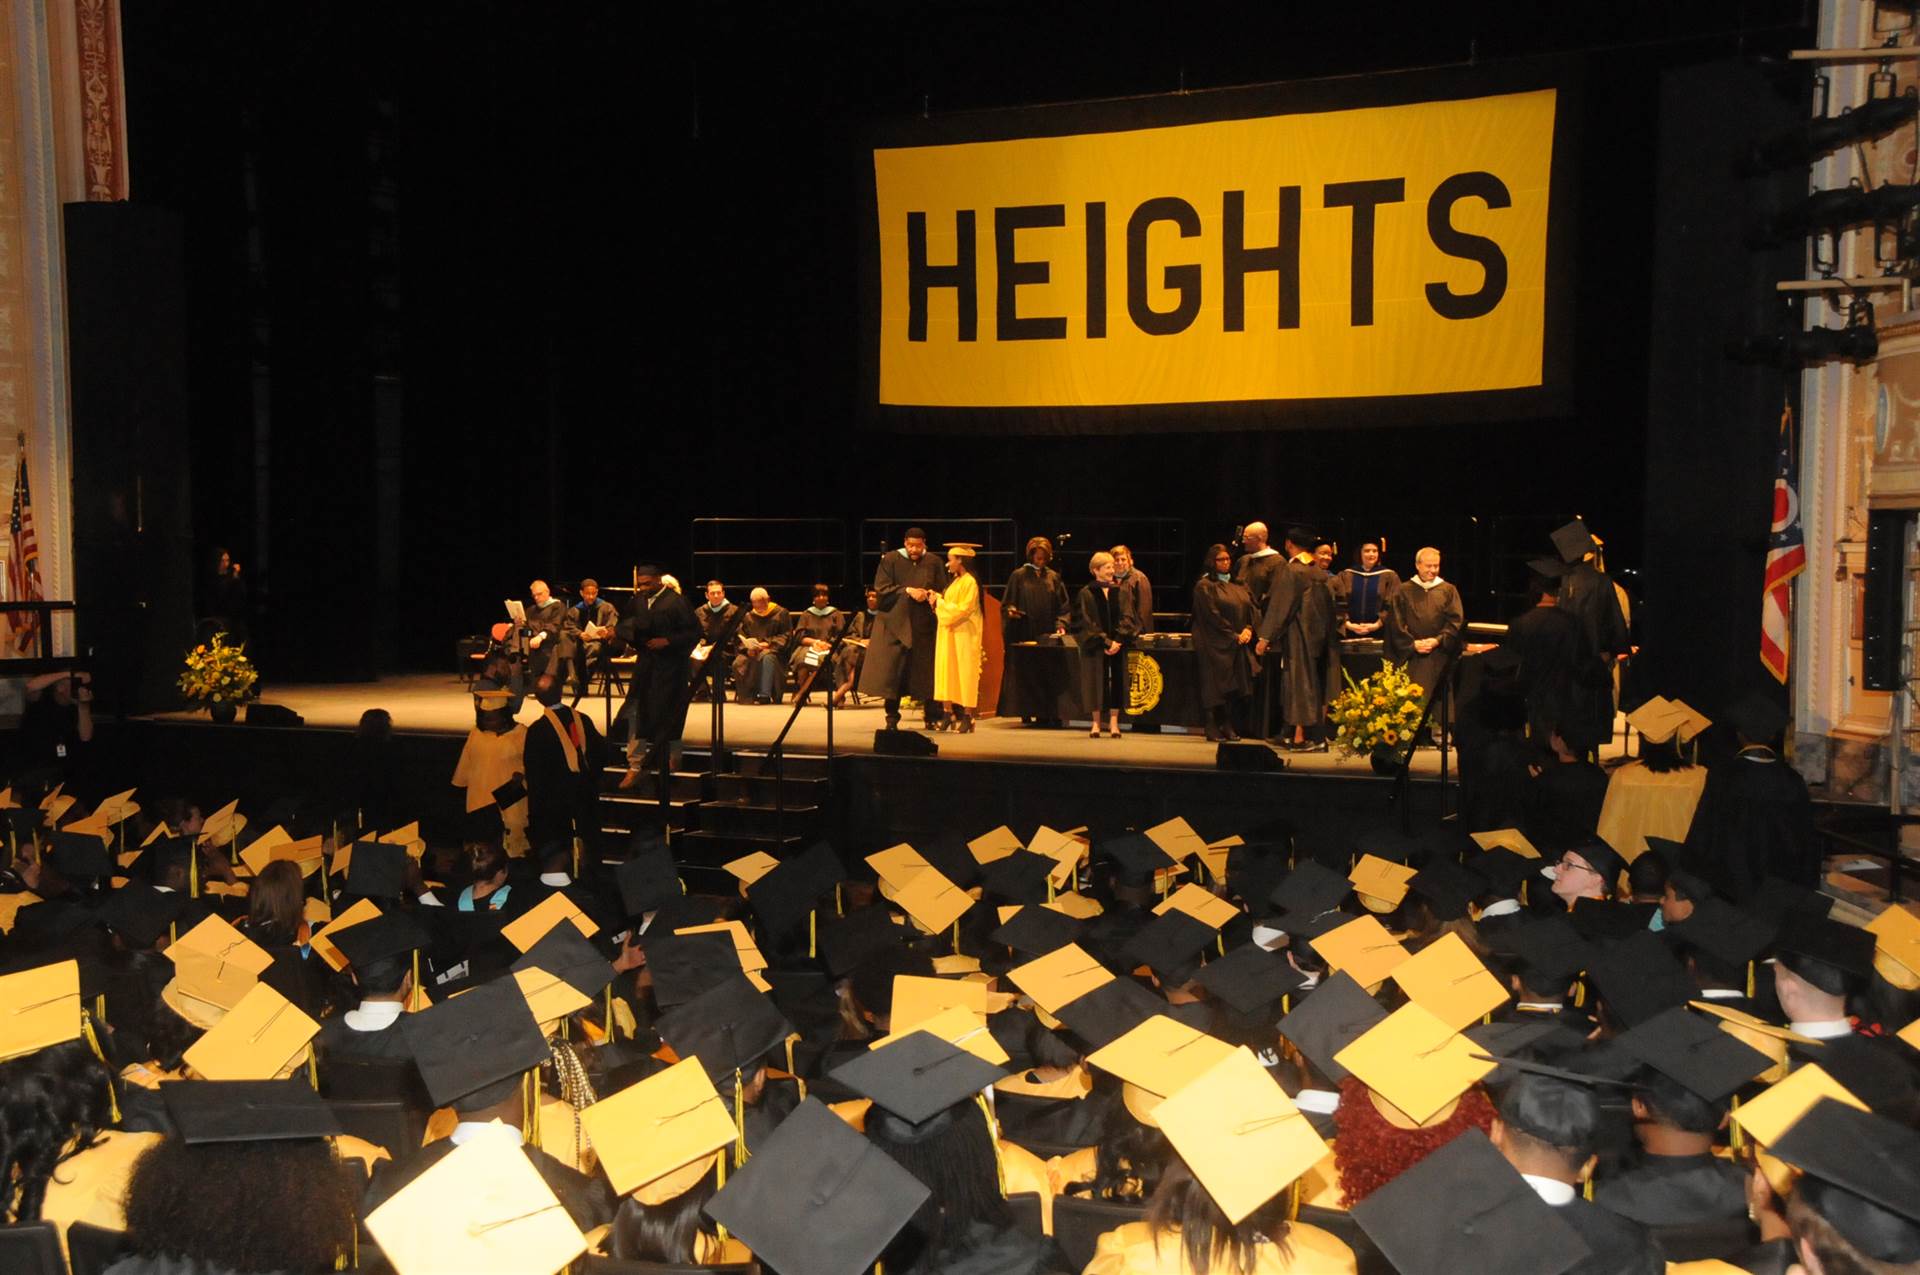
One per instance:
(715,616)
(595,619)
(1676,1178)
(765,631)
(1185,1233)
(814,631)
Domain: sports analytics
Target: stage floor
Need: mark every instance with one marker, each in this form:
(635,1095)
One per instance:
(435,704)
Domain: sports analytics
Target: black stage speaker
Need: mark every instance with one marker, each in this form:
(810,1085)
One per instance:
(1247,755)
(273,715)
(904,743)
(1888,533)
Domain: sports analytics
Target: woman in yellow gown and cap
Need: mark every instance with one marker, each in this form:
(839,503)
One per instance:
(957,649)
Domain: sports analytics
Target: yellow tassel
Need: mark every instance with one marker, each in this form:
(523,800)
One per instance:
(839,901)
(1293,1200)
(993,1136)
(739,1120)
(1586,1190)
(956,938)
(798,1080)
(576,858)
(530,1104)
(813,932)
(610,1026)
(93,1042)
(313,1068)
(1749,980)
(1580,995)
(1734,1137)
(193,871)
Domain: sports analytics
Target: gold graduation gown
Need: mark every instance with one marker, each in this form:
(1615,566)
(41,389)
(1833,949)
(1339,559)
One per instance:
(957,649)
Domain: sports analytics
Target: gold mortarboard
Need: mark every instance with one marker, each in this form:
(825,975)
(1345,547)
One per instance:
(1200,903)
(482,1208)
(1772,1112)
(1240,1134)
(223,825)
(160,833)
(1362,949)
(962,548)
(1177,839)
(217,941)
(1064,848)
(1076,1083)
(1415,1061)
(744,948)
(531,927)
(960,1027)
(549,997)
(955,965)
(1158,1058)
(261,1037)
(46,802)
(316,911)
(752,867)
(1447,980)
(407,835)
(1910,1034)
(1896,954)
(1075,905)
(1506,838)
(118,807)
(1061,976)
(897,865)
(917,999)
(932,900)
(322,941)
(259,852)
(990,847)
(1380,883)
(6,799)
(56,809)
(42,1008)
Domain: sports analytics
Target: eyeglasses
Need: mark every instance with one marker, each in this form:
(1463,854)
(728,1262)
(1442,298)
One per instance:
(1578,865)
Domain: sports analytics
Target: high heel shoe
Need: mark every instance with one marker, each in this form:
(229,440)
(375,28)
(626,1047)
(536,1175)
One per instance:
(965,727)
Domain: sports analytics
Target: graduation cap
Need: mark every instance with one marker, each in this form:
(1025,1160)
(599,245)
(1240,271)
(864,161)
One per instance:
(1328,1019)
(377,870)
(1135,855)
(1862,1175)
(1449,981)
(390,934)
(140,914)
(1415,1061)
(43,1008)
(1110,1011)
(510,793)
(685,965)
(80,854)
(1021,877)
(818,1198)
(482,1207)
(1829,954)
(1447,887)
(468,1045)
(858,937)
(1547,568)
(1250,978)
(1550,949)
(1638,978)
(728,1027)
(1464,1208)
(1502,870)
(1757,717)
(1694,1052)
(1170,945)
(1606,862)
(918,1076)
(246,1111)
(1061,976)
(648,881)
(1727,937)
(1035,931)
(650,1132)
(1311,925)
(784,896)
(1253,874)
(260,1038)
(947,851)
(1573,541)
(564,953)
(1310,889)
(1520,1039)
(1606,920)
(1244,1139)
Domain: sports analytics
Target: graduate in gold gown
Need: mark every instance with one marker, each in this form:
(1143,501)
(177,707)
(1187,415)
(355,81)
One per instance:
(957,648)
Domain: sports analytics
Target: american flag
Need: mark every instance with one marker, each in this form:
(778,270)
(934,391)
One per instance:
(1786,555)
(23,559)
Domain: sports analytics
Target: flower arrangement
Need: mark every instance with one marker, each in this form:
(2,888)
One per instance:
(1378,712)
(217,673)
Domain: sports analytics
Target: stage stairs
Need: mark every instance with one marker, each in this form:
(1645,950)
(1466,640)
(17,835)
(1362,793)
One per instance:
(718,814)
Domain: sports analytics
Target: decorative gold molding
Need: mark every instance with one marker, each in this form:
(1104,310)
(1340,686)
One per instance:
(102,98)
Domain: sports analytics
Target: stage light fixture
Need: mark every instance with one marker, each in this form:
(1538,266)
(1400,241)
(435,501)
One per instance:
(1856,342)
(1804,143)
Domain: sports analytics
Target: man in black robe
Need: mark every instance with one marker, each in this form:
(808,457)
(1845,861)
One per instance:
(1034,608)
(765,630)
(1258,569)
(714,616)
(660,629)
(559,771)
(1424,620)
(900,653)
(1588,595)
(1550,645)
(595,620)
(1676,1179)
(1564,798)
(550,644)
(1755,819)
(1296,634)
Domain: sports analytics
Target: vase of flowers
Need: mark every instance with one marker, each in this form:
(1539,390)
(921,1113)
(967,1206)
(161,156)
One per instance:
(218,677)
(1375,717)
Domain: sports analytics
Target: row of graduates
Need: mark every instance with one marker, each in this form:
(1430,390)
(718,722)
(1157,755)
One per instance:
(1257,1054)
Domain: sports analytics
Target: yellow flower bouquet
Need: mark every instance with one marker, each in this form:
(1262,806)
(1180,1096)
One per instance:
(217,673)
(1375,716)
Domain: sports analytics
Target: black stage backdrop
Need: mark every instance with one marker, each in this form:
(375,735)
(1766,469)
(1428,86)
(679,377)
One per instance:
(483,291)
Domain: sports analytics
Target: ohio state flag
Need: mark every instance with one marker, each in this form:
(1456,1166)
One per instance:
(1786,555)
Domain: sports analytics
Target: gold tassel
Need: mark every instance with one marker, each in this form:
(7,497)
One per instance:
(313,1068)
(610,1025)
(93,1042)
(1586,1190)
(813,932)
(193,870)
(576,858)
(993,1136)
(798,1081)
(1293,1200)
(956,938)
(839,901)
(739,1120)
(720,1180)
(530,1105)
(1749,980)
(1734,1137)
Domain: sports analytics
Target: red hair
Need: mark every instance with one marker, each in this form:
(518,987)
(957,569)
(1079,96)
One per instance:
(1369,1152)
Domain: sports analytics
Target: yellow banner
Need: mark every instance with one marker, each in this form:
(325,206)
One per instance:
(1394,250)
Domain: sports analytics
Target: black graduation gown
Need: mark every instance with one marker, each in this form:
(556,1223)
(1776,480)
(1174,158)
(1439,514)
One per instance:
(1754,820)
(1563,804)
(1616,1245)
(1222,610)
(1299,629)
(775,628)
(1587,594)
(1414,612)
(1493,788)
(1673,1190)
(589,1201)
(1040,595)
(1257,574)
(1100,617)
(337,1040)
(1550,645)
(901,645)
(659,677)
(557,796)
(1360,597)
(556,621)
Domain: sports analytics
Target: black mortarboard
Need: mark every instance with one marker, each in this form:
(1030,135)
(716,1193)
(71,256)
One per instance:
(377,870)
(140,914)
(23,822)
(1135,855)
(785,895)
(1250,978)
(1110,1011)
(1695,1052)
(1757,717)
(1021,877)
(858,937)
(728,1027)
(947,851)
(1311,925)
(1829,954)
(1310,888)
(1302,535)
(817,1198)
(392,933)
(1776,898)
(917,1076)
(1550,950)
(1170,945)
(1328,1019)
(1521,1038)
(1447,887)
(1573,541)
(1035,931)
(246,1110)
(1862,1175)
(648,881)
(510,792)
(1253,877)
(1638,977)
(1601,857)
(1464,1208)
(565,953)
(1547,568)
(1727,936)
(80,854)
(1502,870)
(474,1042)
(685,965)
(1606,920)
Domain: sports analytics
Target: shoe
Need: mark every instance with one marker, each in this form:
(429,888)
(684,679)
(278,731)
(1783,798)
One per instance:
(1114,733)
(965,727)
(1212,733)
(1094,733)
(893,723)
(632,777)
(1231,735)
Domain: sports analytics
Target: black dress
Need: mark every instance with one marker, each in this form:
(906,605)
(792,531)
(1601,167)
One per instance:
(1222,610)
(1102,615)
